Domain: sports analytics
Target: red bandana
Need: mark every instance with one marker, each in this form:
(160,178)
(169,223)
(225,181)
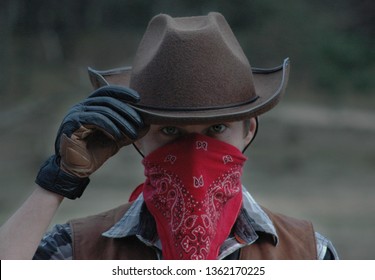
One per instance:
(193,190)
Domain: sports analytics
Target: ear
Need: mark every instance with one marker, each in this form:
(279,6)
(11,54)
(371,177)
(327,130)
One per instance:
(138,144)
(252,130)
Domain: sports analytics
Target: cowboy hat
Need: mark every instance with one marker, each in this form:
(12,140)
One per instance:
(193,70)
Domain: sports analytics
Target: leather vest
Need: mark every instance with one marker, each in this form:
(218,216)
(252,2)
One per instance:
(296,240)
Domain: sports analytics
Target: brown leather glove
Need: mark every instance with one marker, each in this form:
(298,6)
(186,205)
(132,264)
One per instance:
(86,150)
(92,131)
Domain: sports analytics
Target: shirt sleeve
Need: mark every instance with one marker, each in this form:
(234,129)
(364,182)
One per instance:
(56,244)
(325,248)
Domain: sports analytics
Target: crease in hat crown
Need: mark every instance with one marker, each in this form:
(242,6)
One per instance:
(193,70)
(193,63)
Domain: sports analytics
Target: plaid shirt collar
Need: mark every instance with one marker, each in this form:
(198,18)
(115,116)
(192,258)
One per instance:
(252,219)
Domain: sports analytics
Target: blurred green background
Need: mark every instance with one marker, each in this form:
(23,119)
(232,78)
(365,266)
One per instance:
(314,156)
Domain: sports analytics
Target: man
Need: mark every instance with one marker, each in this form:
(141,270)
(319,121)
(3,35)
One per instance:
(189,104)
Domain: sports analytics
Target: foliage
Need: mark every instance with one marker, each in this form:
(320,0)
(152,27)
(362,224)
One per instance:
(330,42)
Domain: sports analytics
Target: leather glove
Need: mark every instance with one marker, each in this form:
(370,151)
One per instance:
(92,131)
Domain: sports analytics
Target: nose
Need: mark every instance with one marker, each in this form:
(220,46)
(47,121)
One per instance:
(190,129)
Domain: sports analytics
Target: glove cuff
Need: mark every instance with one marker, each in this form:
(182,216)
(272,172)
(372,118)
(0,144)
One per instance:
(52,178)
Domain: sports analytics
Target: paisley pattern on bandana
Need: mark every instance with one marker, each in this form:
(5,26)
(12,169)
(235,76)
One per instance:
(193,216)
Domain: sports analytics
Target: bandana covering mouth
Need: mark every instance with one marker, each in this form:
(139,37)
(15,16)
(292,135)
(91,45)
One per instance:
(194,192)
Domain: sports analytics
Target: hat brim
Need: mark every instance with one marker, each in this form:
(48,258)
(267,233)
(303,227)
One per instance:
(269,85)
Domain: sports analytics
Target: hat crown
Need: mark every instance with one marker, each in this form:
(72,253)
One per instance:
(191,63)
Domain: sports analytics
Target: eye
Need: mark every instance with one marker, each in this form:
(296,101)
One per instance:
(170,130)
(217,128)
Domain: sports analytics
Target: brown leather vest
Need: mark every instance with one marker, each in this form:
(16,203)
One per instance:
(296,240)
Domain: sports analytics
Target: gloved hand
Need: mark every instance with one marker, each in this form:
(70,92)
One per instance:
(91,132)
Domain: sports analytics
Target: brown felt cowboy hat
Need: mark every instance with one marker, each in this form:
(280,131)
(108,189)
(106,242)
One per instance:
(193,70)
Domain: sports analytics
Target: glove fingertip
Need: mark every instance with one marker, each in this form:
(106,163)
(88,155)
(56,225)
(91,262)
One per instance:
(119,92)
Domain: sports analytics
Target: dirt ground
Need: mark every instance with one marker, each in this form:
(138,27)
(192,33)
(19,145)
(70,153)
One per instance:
(309,162)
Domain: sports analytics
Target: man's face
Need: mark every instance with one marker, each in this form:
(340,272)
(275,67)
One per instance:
(230,132)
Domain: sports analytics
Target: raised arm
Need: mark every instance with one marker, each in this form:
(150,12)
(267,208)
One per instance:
(92,131)
(21,234)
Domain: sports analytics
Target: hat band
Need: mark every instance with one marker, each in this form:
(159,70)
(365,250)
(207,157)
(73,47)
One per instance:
(192,109)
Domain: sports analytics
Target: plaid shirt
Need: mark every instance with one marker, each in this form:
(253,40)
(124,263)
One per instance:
(57,243)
